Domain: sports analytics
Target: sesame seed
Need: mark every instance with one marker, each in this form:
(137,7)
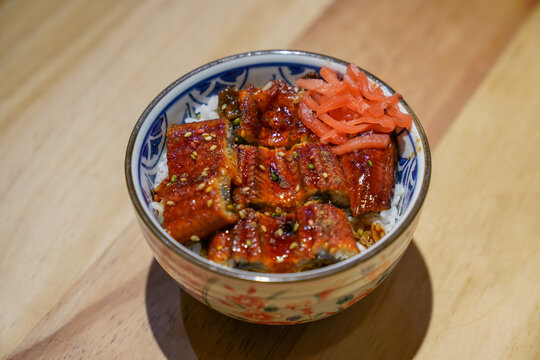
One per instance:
(170,202)
(263,228)
(311,166)
(261,166)
(242,214)
(278,210)
(248,242)
(310,222)
(236,121)
(242,133)
(213,147)
(295,154)
(208,138)
(295,226)
(201,186)
(244,190)
(281,153)
(297,188)
(219,247)
(324,175)
(293,245)
(188,134)
(195,238)
(208,189)
(213,135)
(279,232)
(223,107)
(173,178)
(193,156)
(183,179)
(230,206)
(209,202)
(370,163)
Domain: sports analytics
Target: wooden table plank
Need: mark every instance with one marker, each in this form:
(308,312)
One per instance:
(67,221)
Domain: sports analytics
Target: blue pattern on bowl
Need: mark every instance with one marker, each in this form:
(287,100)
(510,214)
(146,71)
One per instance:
(183,106)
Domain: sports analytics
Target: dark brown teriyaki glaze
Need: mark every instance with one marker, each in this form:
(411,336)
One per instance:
(310,236)
(196,194)
(371,174)
(269,116)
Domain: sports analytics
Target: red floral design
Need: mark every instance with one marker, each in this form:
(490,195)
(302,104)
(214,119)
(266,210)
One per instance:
(323,295)
(259,316)
(246,301)
(305,307)
(297,306)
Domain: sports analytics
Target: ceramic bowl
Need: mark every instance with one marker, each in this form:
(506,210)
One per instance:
(261,297)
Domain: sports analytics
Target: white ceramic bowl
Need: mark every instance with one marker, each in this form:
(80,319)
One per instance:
(259,297)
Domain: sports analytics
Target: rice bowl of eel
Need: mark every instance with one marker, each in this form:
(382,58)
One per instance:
(310,257)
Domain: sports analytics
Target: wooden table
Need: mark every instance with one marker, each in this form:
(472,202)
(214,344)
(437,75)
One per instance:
(77,280)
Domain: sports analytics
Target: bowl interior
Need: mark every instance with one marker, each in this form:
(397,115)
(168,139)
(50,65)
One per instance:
(179,101)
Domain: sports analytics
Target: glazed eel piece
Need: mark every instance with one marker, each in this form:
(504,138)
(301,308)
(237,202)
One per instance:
(267,116)
(313,235)
(196,194)
(272,178)
(371,175)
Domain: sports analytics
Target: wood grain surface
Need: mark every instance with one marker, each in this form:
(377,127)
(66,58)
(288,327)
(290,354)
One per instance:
(77,279)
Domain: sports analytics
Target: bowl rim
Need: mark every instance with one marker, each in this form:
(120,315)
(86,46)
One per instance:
(255,277)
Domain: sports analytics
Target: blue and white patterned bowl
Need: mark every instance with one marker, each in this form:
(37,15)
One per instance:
(255,297)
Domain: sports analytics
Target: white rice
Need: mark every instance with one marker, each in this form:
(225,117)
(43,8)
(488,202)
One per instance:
(387,218)
(206,111)
(158,210)
(162,169)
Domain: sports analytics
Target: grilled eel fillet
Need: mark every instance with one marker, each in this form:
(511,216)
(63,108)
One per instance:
(321,173)
(313,235)
(268,115)
(196,194)
(268,178)
(271,178)
(371,175)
